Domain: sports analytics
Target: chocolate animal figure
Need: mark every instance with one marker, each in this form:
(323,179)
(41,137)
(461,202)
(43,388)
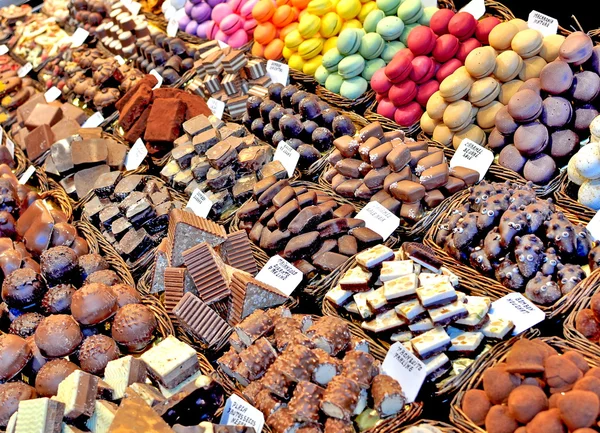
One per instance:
(538,212)
(465,231)
(542,290)
(569,276)
(479,260)
(507,272)
(480,193)
(584,240)
(522,197)
(457,254)
(491,244)
(491,210)
(529,254)
(550,262)
(594,258)
(512,223)
(448,224)
(561,233)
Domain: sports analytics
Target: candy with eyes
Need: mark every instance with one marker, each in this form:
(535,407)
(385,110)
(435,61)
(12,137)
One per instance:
(465,231)
(491,210)
(479,260)
(584,240)
(542,290)
(594,258)
(561,233)
(448,224)
(569,276)
(491,244)
(529,254)
(538,212)
(512,223)
(507,272)
(458,254)
(550,262)
(479,193)
(522,197)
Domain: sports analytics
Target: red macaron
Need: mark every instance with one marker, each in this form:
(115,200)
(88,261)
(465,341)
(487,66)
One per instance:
(462,25)
(445,48)
(386,108)
(425,90)
(403,93)
(439,21)
(421,40)
(399,68)
(447,69)
(408,114)
(423,69)
(484,27)
(380,83)
(466,47)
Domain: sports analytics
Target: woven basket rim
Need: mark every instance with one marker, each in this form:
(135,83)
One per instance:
(563,199)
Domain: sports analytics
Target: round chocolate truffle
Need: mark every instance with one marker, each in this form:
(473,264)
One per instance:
(14,355)
(90,263)
(95,352)
(540,169)
(37,360)
(133,326)
(586,323)
(93,303)
(107,277)
(126,295)
(57,299)
(511,158)
(63,234)
(59,264)
(556,112)
(10,395)
(23,287)
(531,138)
(26,324)
(51,375)
(476,405)
(80,246)
(563,143)
(526,401)
(58,335)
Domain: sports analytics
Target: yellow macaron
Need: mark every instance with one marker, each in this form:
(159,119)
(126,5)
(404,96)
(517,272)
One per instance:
(311,66)
(364,11)
(309,25)
(352,24)
(348,9)
(310,48)
(331,25)
(293,40)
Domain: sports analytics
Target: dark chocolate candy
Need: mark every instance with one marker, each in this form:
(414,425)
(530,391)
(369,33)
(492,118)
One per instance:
(398,157)
(366,237)
(406,190)
(286,213)
(347,245)
(306,220)
(375,178)
(377,156)
(329,261)
(434,177)
(301,246)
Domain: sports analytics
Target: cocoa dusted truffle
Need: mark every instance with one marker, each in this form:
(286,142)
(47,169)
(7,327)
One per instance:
(126,295)
(500,420)
(23,287)
(58,335)
(579,409)
(14,355)
(546,422)
(526,401)
(93,304)
(498,384)
(57,299)
(133,326)
(26,324)
(59,264)
(95,352)
(90,263)
(51,375)
(10,395)
(107,277)
(476,405)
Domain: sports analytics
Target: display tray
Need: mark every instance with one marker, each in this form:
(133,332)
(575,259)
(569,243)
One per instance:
(566,196)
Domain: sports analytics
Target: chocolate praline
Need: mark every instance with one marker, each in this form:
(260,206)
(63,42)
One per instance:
(563,143)
(26,324)
(126,295)
(95,352)
(90,263)
(10,395)
(51,375)
(133,326)
(540,169)
(511,158)
(80,246)
(107,277)
(14,355)
(58,335)
(23,287)
(93,303)
(59,264)
(57,299)
(37,359)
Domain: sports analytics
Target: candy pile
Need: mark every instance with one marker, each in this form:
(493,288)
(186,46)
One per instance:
(122,31)
(40,39)
(15,92)
(89,14)
(274,22)
(583,169)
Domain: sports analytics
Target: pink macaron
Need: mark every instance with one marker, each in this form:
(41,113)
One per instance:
(201,12)
(231,24)
(399,68)
(421,40)
(423,69)
(445,48)
(220,11)
(408,114)
(447,69)
(462,25)
(380,82)
(237,39)
(403,93)
(386,108)
(220,36)
(246,9)
(380,96)
(235,5)
(211,29)
(439,21)
(466,47)
(250,25)
(484,27)
(425,90)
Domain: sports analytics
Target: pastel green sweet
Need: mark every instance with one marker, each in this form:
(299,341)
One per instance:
(390,28)
(390,7)
(407,29)
(321,75)
(427,14)
(370,24)
(349,41)
(334,82)
(351,66)
(331,59)
(354,87)
(371,46)
(410,11)
(371,67)
(390,50)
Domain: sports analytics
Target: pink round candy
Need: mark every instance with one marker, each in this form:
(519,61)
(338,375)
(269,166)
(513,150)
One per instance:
(386,108)
(201,12)
(408,114)
(421,40)
(220,11)
(220,36)
(183,22)
(246,9)
(238,39)
(235,5)
(188,7)
(425,90)
(196,2)
(380,96)
(403,93)
(380,82)
(231,24)
(201,30)
(423,69)
(211,29)
(250,25)
(191,28)
(447,68)
(466,47)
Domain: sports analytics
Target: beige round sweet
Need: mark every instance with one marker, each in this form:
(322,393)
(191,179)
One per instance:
(436,105)
(508,90)
(472,132)
(428,124)
(595,126)
(521,24)
(486,115)
(455,86)
(574,175)
(502,35)
(443,135)
(527,43)
(532,68)
(481,62)
(484,91)
(508,65)
(457,114)
(550,46)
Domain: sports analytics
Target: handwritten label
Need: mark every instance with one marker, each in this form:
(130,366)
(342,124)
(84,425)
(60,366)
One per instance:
(379,219)
(28,173)
(133,7)
(3,50)
(158,77)
(120,60)
(475,8)
(94,120)
(24,70)
(406,368)
(278,72)
(136,155)
(79,37)
(10,145)
(543,23)
(172,28)
(199,203)
(594,226)
(217,107)
(239,412)
(52,94)
(281,274)
(471,155)
(287,156)
(519,309)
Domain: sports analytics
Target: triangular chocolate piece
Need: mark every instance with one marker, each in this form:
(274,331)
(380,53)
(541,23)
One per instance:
(249,295)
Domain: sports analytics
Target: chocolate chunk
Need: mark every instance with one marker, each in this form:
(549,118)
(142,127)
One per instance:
(196,125)
(131,199)
(93,207)
(349,167)
(366,237)
(348,187)
(61,156)
(329,262)
(404,174)
(433,198)
(85,180)
(119,227)
(366,147)
(266,197)
(372,130)
(364,192)
(307,269)
(286,213)
(346,145)
(375,178)
(89,152)
(307,199)
(416,156)
(204,141)
(429,161)
(220,179)
(306,220)
(43,114)
(127,185)
(109,214)
(467,175)
(135,243)
(243,187)
(183,155)
(328,245)
(200,166)
(249,211)
(412,211)
(333,227)
(377,156)
(263,185)
(253,158)
(138,213)
(434,177)
(407,190)
(274,168)
(344,211)
(347,245)
(398,157)
(301,246)
(453,185)
(275,240)
(38,141)
(392,205)
(105,184)
(284,196)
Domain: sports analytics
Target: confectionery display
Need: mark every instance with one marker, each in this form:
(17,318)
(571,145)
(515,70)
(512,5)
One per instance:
(40,39)
(15,93)
(581,166)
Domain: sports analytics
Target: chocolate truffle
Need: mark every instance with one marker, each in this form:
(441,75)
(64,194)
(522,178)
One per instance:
(563,143)
(526,401)
(90,263)
(107,277)
(23,287)
(58,335)
(511,158)
(10,395)
(37,359)
(579,409)
(57,299)
(499,420)
(126,295)
(95,352)
(59,264)
(93,303)
(498,384)
(547,421)
(25,324)
(476,405)
(133,326)
(14,355)
(540,169)
(51,375)
(560,373)
(586,323)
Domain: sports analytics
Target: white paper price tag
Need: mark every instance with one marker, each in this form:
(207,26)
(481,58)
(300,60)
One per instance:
(519,309)
(594,226)
(475,8)
(471,155)
(158,77)
(3,49)
(379,219)
(199,203)
(172,28)
(1,134)
(429,3)
(287,156)
(281,274)
(136,155)
(222,44)
(94,120)
(79,37)
(240,412)
(543,23)
(217,107)
(278,72)
(133,7)
(406,368)
(52,94)
(24,70)
(11,146)
(120,60)
(28,173)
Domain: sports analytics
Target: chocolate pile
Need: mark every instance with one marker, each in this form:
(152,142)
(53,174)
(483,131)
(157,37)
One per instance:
(408,296)
(334,375)
(39,39)
(587,320)
(536,388)
(405,177)
(302,120)
(505,231)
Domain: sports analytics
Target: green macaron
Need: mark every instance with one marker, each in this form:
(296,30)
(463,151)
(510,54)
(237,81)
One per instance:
(370,24)
(390,7)
(427,14)
(410,11)
(334,82)
(407,29)
(354,87)
(351,66)
(390,50)
(371,46)
(331,59)
(371,67)
(390,28)
(349,41)
(321,75)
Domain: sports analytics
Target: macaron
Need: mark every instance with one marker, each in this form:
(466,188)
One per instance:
(504,122)
(266,32)
(508,66)
(550,47)
(584,115)
(354,87)
(422,40)
(408,115)
(447,69)
(391,49)
(496,141)
(331,59)
(408,28)
(309,26)
(370,23)
(576,49)
(487,114)
(379,82)
(331,24)
(351,66)
(585,87)
(462,25)
(334,82)
(532,84)
(511,158)
(319,7)
(321,75)
(365,10)
(386,108)
(427,14)
(456,86)
(283,16)
(556,112)
(390,28)
(563,143)
(484,91)
(352,24)
(472,132)
(484,27)
(436,105)
(527,43)
(442,134)
(263,10)
(531,138)
(521,24)
(502,35)
(532,67)
(371,46)
(457,115)
(428,124)
(311,66)
(389,7)
(273,49)
(556,77)
(466,47)
(540,169)
(446,47)
(399,68)
(372,66)
(508,89)
(219,12)
(349,40)
(481,62)
(525,106)
(425,90)
(439,21)
(231,24)
(348,9)
(423,69)
(330,44)
(403,93)
(410,11)
(310,48)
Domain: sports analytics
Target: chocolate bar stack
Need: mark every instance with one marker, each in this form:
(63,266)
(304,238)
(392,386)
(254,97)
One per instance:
(119,30)
(408,296)
(220,159)
(299,371)
(406,177)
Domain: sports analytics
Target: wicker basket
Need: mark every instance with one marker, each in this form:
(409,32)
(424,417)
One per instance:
(442,426)
(479,284)
(571,334)
(563,197)
(20,158)
(460,419)
(308,82)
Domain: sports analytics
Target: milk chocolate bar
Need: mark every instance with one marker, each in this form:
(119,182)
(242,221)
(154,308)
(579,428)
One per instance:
(197,318)
(388,397)
(257,358)
(78,393)
(266,403)
(330,334)
(208,272)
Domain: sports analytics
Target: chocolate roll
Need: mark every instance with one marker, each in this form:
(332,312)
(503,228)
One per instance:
(282,421)
(340,398)
(330,334)
(304,405)
(266,403)
(253,327)
(299,362)
(288,330)
(258,358)
(360,367)
(388,397)
(229,361)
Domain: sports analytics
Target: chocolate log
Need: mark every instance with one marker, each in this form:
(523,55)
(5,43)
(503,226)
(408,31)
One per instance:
(359,366)
(327,367)
(330,334)
(254,326)
(388,397)
(340,398)
(305,402)
(258,357)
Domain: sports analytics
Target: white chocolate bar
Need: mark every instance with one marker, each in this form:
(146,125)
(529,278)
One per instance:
(410,310)
(361,304)
(374,256)
(376,299)
(400,287)
(431,342)
(355,280)
(384,322)
(447,313)
(396,269)
(338,296)
(466,342)
(420,326)
(478,307)
(436,294)
(497,328)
